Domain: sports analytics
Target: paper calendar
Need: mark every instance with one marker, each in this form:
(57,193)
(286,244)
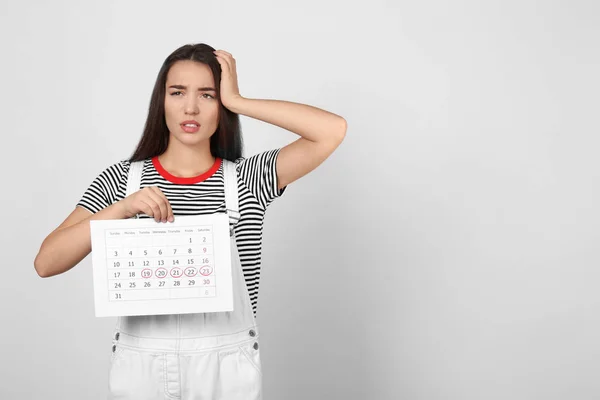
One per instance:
(143,267)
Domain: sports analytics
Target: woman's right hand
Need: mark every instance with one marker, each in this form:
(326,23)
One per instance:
(150,201)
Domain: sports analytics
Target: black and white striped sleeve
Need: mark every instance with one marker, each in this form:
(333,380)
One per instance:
(108,188)
(259,173)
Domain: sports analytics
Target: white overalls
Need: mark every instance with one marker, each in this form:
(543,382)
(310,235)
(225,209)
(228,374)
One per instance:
(205,356)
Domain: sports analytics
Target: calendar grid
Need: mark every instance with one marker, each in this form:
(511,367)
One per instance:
(156,264)
(144,267)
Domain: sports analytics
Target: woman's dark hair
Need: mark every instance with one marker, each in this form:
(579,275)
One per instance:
(225,143)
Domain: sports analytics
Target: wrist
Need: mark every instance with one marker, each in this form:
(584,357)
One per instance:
(236,104)
(117,211)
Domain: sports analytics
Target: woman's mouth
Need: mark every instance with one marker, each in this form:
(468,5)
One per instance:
(190,126)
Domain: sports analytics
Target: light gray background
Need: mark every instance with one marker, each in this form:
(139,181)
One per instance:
(446,250)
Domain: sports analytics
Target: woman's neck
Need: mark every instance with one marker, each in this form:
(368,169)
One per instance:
(185,161)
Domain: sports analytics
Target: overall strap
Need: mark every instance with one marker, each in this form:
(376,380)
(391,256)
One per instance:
(134,178)
(231,194)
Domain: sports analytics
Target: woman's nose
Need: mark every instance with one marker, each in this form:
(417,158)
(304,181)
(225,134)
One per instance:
(192,108)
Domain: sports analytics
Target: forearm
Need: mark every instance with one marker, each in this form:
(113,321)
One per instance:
(66,247)
(310,122)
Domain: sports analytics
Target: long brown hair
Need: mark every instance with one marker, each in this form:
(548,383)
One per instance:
(226,143)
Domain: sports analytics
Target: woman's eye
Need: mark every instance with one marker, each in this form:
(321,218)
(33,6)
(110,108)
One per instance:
(203,94)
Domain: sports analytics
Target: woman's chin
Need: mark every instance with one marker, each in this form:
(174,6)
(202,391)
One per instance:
(190,139)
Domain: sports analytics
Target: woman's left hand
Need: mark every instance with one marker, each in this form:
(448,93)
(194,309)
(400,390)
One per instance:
(229,85)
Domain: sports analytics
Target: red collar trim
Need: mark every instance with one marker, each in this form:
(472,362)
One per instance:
(187,180)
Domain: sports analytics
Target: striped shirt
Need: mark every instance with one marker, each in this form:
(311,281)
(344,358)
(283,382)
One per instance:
(204,194)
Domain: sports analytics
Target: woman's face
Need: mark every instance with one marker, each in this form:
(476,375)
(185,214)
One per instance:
(191,107)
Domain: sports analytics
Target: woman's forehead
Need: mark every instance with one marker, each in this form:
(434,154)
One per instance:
(190,74)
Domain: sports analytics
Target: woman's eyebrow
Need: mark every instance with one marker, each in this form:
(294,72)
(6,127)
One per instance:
(203,89)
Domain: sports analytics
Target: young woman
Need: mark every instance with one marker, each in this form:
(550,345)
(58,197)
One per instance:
(192,132)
